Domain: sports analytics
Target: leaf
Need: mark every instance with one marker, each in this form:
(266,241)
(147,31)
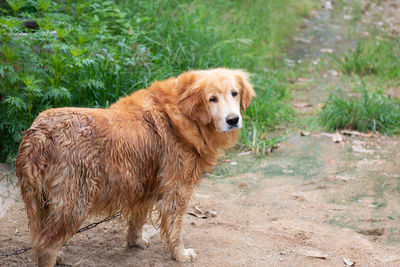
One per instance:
(92,84)
(313,253)
(57,93)
(348,262)
(199,213)
(15,103)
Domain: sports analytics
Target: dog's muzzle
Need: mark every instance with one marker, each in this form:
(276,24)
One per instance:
(232,121)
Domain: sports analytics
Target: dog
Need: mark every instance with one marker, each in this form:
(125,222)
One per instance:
(149,149)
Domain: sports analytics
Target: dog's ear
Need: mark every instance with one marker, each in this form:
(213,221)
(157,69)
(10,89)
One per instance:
(247,91)
(191,101)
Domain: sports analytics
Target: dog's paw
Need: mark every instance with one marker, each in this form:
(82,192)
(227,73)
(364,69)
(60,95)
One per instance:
(140,243)
(187,255)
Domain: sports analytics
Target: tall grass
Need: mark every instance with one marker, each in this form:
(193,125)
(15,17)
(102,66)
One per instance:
(365,110)
(89,53)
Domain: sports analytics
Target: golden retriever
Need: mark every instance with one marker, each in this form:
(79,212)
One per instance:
(148,149)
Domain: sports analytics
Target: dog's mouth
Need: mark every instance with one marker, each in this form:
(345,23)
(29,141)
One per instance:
(232,127)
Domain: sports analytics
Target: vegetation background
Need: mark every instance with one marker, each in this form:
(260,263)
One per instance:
(90,53)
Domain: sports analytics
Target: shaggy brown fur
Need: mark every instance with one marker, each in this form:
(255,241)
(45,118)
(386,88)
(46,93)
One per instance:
(148,149)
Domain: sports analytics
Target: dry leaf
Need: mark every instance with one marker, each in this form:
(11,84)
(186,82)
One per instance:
(305,133)
(336,137)
(313,253)
(356,133)
(326,50)
(298,196)
(344,178)
(302,80)
(348,262)
(373,231)
(199,213)
(302,105)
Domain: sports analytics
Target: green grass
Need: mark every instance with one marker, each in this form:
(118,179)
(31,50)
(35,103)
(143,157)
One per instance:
(103,50)
(363,110)
(379,56)
(374,61)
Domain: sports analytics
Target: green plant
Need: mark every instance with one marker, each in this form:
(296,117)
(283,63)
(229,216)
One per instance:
(267,110)
(375,56)
(364,110)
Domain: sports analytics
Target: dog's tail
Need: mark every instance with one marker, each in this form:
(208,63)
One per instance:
(30,168)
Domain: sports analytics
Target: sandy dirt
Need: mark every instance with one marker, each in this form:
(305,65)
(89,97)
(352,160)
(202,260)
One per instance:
(312,202)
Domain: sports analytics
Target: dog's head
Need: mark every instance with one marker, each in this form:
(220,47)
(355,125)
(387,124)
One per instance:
(215,96)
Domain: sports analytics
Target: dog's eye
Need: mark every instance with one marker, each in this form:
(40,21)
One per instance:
(234,93)
(213,99)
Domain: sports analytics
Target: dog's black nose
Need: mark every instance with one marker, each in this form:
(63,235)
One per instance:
(232,119)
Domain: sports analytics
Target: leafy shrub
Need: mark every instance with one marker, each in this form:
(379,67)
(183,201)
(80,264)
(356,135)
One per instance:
(365,110)
(64,63)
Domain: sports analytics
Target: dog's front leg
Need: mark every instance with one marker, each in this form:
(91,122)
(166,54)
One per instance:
(172,210)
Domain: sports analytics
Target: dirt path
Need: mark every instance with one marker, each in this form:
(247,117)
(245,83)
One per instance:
(312,202)
(312,198)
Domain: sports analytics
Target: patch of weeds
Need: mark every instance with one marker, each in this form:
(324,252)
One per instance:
(379,204)
(380,184)
(235,165)
(274,170)
(269,108)
(375,56)
(364,110)
(309,169)
(344,221)
(308,122)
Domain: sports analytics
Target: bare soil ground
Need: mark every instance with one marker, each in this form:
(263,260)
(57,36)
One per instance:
(312,202)
(311,199)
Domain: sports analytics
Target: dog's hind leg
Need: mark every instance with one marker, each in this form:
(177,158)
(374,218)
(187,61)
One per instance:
(61,224)
(136,221)
(67,208)
(47,244)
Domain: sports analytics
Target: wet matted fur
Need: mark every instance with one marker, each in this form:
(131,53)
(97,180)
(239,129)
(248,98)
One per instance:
(147,150)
